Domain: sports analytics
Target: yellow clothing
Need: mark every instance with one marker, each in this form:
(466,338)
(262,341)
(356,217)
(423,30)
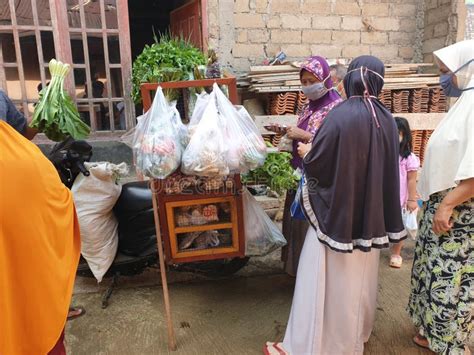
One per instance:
(39,248)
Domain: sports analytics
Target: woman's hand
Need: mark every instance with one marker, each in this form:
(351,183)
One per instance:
(412,206)
(303,149)
(442,219)
(299,134)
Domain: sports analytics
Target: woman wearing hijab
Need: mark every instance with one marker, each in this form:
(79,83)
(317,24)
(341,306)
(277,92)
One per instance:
(39,249)
(351,198)
(441,302)
(317,86)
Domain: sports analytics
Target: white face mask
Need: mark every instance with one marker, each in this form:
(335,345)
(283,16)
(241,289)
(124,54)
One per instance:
(315,91)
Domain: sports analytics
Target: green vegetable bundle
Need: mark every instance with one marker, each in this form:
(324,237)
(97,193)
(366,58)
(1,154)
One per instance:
(168,59)
(277,173)
(56,114)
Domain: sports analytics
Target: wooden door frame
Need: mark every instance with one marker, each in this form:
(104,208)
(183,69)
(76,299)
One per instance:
(204,25)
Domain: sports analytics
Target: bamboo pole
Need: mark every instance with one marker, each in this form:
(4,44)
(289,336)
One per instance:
(164,281)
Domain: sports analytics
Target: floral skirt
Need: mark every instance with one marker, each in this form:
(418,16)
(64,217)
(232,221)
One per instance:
(441,303)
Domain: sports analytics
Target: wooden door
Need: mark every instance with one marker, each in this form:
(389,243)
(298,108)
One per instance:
(186,22)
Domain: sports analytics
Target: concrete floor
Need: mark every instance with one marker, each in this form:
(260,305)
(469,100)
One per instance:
(228,316)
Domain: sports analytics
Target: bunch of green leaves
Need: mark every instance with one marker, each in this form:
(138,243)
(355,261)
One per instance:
(277,173)
(168,56)
(56,114)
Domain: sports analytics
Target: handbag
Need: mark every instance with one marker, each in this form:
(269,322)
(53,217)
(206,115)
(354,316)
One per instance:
(296,208)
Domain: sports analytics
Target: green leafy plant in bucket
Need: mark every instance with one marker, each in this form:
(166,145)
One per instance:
(277,173)
(168,59)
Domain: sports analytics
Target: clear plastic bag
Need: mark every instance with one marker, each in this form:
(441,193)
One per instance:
(247,149)
(157,141)
(206,154)
(410,222)
(262,236)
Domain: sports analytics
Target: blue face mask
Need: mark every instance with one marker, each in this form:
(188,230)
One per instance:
(446,81)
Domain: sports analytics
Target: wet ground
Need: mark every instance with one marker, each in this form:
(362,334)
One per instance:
(235,315)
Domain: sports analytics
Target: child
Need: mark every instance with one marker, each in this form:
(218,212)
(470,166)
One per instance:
(409,164)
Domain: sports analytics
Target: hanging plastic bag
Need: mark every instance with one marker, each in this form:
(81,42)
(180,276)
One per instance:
(202,101)
(94,198)
(247,149)
(206,154)
(410,222)
(157,145)
(130,138)
(262,236)
(181,128)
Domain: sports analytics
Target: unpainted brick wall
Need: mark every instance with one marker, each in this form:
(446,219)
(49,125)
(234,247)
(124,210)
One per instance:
(441,24)
(246,31)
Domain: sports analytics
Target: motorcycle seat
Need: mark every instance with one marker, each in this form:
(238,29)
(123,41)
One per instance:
(135,197)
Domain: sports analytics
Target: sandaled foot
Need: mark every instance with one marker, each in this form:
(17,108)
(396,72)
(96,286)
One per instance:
(421,341)
(75,312)
(274,349)
(396,261)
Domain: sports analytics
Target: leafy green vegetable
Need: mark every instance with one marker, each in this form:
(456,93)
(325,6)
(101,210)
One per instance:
(56,114)
(168,59)
(277,173)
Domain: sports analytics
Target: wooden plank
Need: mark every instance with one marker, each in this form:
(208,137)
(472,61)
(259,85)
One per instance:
(62,40)
(88,65)
(422,121)
(19,60)
(105,44)
(203,228)
(39,44)
(287,120)
(262,69)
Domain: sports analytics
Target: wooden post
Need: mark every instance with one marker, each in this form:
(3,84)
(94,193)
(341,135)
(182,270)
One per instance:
(164,281)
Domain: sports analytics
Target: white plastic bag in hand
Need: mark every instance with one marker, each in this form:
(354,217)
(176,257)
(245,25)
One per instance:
(206,154)
(95,197)
(262,236)
(158,147)
(410,222)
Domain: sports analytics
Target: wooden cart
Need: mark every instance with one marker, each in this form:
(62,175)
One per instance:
(229,230)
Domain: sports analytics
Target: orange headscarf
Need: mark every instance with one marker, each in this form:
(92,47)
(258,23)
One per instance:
(39,248)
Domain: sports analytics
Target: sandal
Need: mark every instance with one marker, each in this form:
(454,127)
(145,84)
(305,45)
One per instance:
(79,310)
(421,341)
(274,349)
(396,261)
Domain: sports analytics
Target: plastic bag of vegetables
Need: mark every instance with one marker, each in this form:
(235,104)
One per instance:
(157,140)
(56,114)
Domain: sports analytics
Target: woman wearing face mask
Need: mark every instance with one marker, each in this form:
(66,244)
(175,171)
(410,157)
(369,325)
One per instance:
(317,86)
(441,302)
(351,198)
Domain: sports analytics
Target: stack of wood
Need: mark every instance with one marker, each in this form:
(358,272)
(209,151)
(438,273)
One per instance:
(282,103)
(438,101)
(400,101)
(419,100)
(269,79)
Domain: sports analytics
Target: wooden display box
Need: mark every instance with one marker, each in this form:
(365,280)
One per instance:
(228,227)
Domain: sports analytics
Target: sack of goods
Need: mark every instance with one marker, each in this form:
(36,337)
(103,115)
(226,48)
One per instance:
(158,144)
(95,197)
(262,236)
(223,139)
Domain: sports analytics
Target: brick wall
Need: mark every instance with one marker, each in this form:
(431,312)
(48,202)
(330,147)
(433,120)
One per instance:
(246,31)
(440,25)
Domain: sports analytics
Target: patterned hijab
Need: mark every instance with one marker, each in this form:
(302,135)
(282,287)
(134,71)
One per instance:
(315,111)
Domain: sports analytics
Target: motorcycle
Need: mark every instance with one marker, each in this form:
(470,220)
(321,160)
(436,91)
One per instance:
(137,248)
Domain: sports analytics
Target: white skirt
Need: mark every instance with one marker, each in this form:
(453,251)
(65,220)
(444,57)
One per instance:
(335,300)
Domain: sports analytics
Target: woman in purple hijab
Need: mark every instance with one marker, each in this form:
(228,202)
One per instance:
(351,198)
(315,76)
